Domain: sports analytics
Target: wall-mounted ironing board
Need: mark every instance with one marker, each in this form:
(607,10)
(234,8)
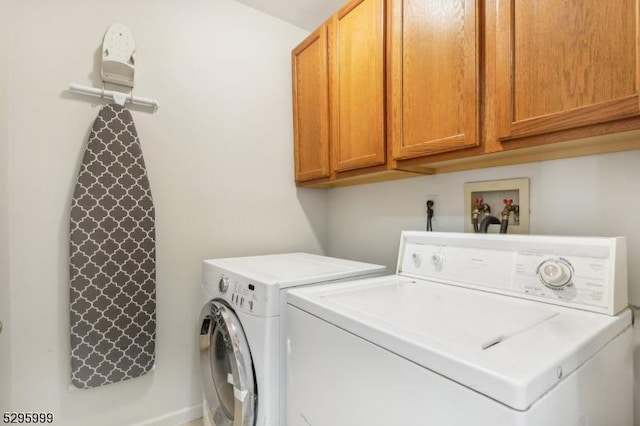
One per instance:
(112,256)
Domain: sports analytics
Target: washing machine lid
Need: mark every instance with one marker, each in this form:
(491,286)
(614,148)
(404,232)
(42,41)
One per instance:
(293,269)
(506,348)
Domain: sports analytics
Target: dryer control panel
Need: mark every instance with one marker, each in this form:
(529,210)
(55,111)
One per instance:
(240,292)
(583,272)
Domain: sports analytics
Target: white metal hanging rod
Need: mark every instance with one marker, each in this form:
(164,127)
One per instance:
(118,97)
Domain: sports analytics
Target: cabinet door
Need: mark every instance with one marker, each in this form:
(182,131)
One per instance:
(356,67)
(311,107)
(434,76)
(563,64)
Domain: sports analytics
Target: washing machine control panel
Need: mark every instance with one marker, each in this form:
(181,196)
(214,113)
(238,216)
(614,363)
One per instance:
(583,272)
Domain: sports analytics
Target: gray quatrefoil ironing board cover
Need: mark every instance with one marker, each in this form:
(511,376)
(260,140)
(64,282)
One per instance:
(112,257)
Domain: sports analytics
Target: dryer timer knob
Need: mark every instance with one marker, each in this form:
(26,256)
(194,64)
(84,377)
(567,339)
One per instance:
(223,284)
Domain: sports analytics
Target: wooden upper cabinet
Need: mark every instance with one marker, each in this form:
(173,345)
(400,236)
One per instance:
(311,107)
(563,64)
(434,76)
(357,85)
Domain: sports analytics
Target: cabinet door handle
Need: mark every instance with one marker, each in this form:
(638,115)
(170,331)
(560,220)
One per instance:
(0,326)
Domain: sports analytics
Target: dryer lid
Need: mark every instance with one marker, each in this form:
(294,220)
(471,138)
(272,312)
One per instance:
(506,348)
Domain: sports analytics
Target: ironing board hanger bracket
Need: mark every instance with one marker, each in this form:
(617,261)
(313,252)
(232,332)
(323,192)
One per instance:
(111,94)
(118,67)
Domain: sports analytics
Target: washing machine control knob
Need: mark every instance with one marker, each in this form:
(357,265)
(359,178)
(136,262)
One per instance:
(223,284)
(555,273)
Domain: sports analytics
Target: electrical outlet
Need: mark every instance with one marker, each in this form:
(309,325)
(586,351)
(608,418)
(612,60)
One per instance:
(436,207)
(494,193)
(433,197)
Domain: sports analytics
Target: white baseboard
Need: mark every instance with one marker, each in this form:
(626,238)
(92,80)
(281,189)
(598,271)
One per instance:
(174,418)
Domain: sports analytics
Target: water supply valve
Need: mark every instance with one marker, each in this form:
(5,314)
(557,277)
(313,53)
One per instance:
(484,199)
(480,207)
(508,208)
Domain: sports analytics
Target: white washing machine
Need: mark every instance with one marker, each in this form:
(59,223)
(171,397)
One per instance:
(241,324)
(473,329)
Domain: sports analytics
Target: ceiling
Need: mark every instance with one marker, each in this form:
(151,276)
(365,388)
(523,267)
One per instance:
(307,14)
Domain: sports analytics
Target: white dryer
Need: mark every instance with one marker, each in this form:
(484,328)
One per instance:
(241,323)
(473,329)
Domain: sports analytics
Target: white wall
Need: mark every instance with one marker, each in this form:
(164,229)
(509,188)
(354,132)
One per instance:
(5,377)
(219,156)
(594,195)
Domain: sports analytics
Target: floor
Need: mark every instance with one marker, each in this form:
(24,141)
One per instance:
(196,422)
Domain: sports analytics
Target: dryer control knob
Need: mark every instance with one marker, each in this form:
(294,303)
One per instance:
(555,273)
(223,284)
